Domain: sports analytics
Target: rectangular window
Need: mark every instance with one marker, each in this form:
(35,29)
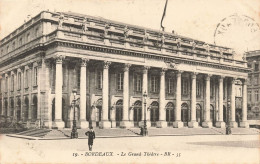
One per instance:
(249,65)
(184,86)
(28,37)
(13,45)
(256,67)
(120,78)
(78,78)
(26,78)
(12,83)
(100,79)
(154,84)
(21,41)
(198,88)
(249,96)
(7,49)
(19,81)
(256,95)
(36,32)
(35,76)
(212,89)
(137,82)
(6,84)
(170,85)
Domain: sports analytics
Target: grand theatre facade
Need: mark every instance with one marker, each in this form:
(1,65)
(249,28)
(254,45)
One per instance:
(111,65)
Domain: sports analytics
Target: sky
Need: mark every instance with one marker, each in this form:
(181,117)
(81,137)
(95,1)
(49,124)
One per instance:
(238,20)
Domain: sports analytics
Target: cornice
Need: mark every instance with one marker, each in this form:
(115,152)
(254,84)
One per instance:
(127,52)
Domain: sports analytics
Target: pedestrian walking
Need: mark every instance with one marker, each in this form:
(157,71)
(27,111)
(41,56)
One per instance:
(91,136)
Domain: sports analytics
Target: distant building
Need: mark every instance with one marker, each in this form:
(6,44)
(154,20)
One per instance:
(253,58)
(111,65)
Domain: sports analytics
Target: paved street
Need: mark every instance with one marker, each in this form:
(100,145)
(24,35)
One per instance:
(190,149)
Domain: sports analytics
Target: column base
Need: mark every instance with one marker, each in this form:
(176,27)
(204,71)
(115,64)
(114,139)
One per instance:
(233,124)
(220,124)
(207,124)
(244,124)
(58,124)
(193,124)
(47,124)
(177,124)
(161,124)
(126,124)
(105,124)
(141,124)
(83,124)
(113,124)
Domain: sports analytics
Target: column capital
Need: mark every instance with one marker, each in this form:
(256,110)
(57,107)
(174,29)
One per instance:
(244,81)
(30,65)
(233,79)
(145,69)
(163,70)
(207,76)
(84,62)
(39,63)
(126,67)
(194,75)
(59,59)
(106,64)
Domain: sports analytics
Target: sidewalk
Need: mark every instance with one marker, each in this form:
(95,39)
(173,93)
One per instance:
(55,134)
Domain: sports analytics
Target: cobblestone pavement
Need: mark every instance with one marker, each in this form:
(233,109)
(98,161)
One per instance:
(153,149)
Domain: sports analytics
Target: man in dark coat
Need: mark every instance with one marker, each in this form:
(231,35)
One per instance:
(91,136)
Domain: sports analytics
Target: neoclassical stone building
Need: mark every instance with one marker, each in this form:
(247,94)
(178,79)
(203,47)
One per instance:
(112,64)
(253,58)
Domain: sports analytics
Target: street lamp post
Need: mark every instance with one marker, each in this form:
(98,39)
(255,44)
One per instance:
(228,129)
(74,133)
(145,131)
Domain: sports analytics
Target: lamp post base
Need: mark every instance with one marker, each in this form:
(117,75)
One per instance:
(220,124)
(207,124)
(177,124)
(244,124)
(193,124)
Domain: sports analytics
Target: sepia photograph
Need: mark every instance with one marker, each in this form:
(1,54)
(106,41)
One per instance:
(129,81)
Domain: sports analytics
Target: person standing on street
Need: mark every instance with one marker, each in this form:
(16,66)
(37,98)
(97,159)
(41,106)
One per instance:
(91,136)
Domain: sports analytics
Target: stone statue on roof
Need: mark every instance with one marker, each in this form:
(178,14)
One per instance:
(84,25)
(61,20)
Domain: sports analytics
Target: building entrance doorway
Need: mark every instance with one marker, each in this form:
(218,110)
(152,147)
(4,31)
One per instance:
(185,114)
(199,114)
(119,112)
(169,113)
(137,112)
(154,113)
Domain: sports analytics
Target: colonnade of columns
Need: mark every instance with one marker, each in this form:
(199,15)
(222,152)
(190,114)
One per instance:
(105,123)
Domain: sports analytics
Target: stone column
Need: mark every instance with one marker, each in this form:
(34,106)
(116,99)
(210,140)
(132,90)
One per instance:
(233,122)
(58,123)
(162,116)
(177,123)
(207,123)
(193,123)
(105,123)
(145,89)
(244,123)
(125,123)
(8,95)
(220,123)
(22,92)
(30,85)
(2,91)
(39,76)
(83,91)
